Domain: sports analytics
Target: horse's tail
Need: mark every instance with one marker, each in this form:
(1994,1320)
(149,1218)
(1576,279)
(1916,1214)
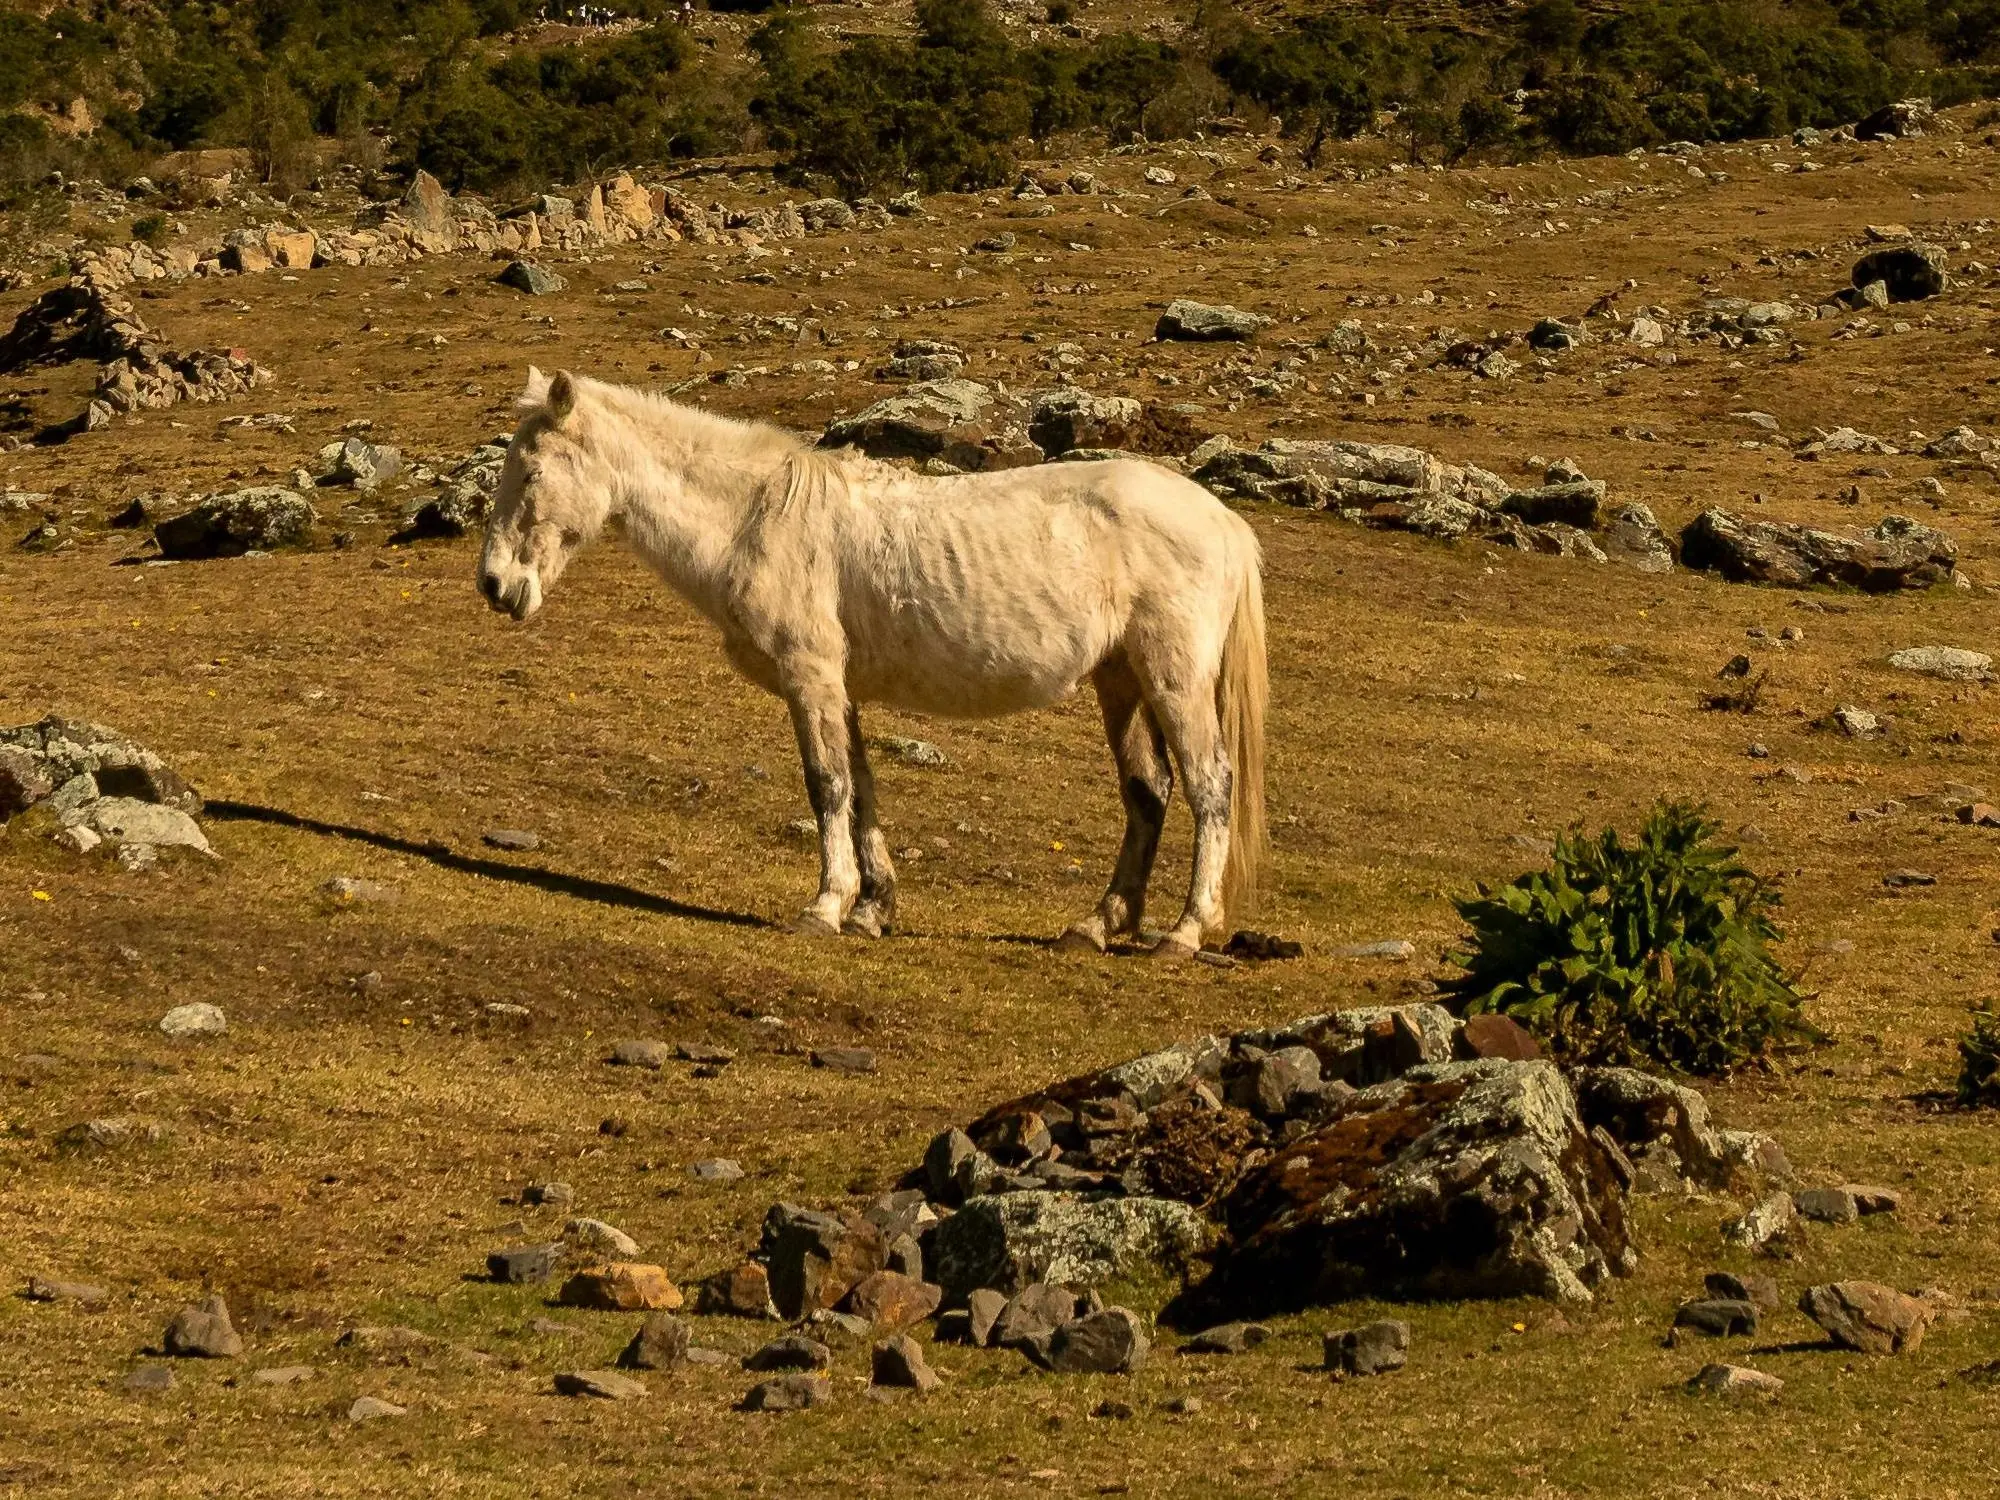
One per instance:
(1242,692)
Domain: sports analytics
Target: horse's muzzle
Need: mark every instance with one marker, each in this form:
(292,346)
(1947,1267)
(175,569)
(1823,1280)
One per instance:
(519,599)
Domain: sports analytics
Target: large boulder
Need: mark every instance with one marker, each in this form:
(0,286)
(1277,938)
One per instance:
(1010,1241)
(959,422)
(427,208)
(1460,1179)
(1904,117)
(1203,322)
(1897,554)
(239,521)
(467,495)
(1910,272)
(1066,418)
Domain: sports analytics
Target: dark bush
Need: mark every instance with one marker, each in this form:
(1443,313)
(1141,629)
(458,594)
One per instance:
(1979,1054)
(1656,951)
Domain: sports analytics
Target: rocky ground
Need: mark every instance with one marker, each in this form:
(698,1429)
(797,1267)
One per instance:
(1572,480)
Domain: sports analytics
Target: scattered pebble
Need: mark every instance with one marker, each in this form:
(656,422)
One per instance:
(198,1019)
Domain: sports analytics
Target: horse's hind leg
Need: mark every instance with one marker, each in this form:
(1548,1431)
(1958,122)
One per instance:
(876,910)
(1145,782)
(1194,733)
(820,716)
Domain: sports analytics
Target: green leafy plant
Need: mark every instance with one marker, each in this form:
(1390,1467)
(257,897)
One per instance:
(1979,1069)
(1653,951)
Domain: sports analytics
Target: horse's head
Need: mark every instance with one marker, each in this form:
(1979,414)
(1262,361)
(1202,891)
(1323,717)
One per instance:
(553,496)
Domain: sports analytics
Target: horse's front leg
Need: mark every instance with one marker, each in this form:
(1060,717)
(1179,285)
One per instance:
(876,910)
(820,717)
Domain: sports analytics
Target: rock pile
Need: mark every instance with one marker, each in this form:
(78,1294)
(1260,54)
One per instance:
(100,789)
(86,319)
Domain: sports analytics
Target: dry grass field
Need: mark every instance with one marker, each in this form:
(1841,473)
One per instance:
(350,1150)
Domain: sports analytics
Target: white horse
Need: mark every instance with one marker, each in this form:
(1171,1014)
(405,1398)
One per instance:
(837,581)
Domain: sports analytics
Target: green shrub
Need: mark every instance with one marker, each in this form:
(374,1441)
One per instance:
(1979,1053)
(1657,951)
(152,228)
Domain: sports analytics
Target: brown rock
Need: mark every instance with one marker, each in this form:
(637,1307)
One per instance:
(1111,1342)
(622,1286)
(660,1344)
(790,1393)
(1867,1316)
(983,1309)
(891,1300)
(792,1352)
(900,1362)
(1032,1315)
(605,1385)
(1980,814)
(844,1059)
(43,1289)
(818,1259)
(1492,1035)
(1870,1199)
(1735,1380)
(742,1291)
(290,250)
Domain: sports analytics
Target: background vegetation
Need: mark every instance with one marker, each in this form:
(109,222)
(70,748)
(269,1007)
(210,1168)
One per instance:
(459,87)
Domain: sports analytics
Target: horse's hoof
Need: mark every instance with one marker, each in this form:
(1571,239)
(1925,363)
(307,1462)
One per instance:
(812,924)
(1172,950)
(858,925)
(1079,940)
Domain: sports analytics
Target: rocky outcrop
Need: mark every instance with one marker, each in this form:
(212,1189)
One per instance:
(1897,554)
(1203,322)
(101,788)
(1011,1241)
(1909,272)
(960,424)
(235,522)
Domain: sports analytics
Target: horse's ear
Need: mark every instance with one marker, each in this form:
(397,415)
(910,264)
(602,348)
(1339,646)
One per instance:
(562,395)
(535,394)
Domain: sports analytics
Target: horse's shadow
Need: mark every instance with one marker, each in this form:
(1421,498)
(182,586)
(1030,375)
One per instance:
(582,887)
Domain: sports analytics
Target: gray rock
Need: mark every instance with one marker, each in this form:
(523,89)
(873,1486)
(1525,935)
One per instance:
(1552,335)
(924,359)
(1031,1315)
(1066,418)
(360,463)
(822,215)
(1904,117)
(1872,294)
(427,206)
(283,1375)
(1227,1338)
(1718,1318)
(1867,1317)
(1572,504)
(899,1363)
(789,1393)
(1826,1205)
(515,840)
(634,1053)
(1950,662)
(1203,322)
(960,422)
(1854,722)
(1897,554)
(660,1344)
(844,1059)
(525,1264)
(125,820)
(549,1194)
(47,1289)
(526,276)
(1769,1222)
(600,1238)
(148,1380)
(716,1169)
(203,1332)
(1632,536)
(1870,1199)
(374,1409)
(983,1308)
(604,1385)
(1011,1240)
(1110,1342)
(467,495)
(1759,1290)
(198,1019)
(1372,1349)
(231,523)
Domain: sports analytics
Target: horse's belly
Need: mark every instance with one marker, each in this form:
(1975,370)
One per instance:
(970,676)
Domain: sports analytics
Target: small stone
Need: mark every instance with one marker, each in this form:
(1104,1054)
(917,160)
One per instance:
(1490,1034)
(148,1380)
(43,1289)
(660,1344)
(1227,1338)
(1899,879)
(1980,815)
(792,1352)
(709,1358)
(1869,1199)
(1867,1317)
(1769,1222)
(283,1375)
(789,1393)
(641,1054)
(602,1238)
(1183,1406)
(707,1056)
(198,1019)
(1735,1380)
(840,1330)
(203,1332)
(1952,663)
(844,1059)
(1760,1291)
(1372,1349)
(605,1385)
(525,276)
(1202,322)
(622,1286)
(891,1300)
(374,1408)
(1111,1342)
(524,1265)
(1717,1318)
(516,840)
(1855,723)
(1396,948)
(983,1308)
(1109,1410)
(549,1194)
(900,1362)
(716,1169)
(1827,1205)
(353,888)
(1031,1315)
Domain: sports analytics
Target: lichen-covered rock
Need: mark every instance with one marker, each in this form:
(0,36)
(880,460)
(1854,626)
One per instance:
(1642,1112)
(1008,1241)
(358,462)
(1632,536)
(1066,418)
(467,494)
(1897,554)
(1463,1179)
(1910,272)
(1203,322)
(235,522)
(960,422)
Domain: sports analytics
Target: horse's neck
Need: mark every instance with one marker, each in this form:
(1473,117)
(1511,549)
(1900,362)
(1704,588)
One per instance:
(685,509)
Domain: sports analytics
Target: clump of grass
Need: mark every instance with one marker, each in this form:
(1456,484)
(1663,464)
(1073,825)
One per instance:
(1979,1065)
(152,228)
(1657,951)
